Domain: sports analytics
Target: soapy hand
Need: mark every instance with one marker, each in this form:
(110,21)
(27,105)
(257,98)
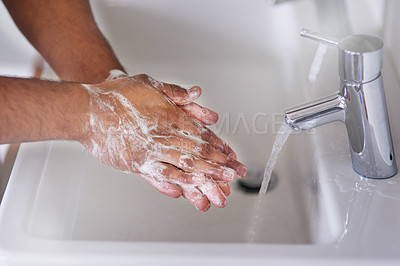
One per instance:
(140,125)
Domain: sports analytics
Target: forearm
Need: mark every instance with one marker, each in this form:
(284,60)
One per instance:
(34,110)
(66,35)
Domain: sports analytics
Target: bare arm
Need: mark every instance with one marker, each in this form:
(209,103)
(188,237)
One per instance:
(33,110)
(129,124)
(66,35)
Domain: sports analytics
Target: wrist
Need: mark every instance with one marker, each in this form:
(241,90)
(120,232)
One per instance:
(77,112)
(80,120)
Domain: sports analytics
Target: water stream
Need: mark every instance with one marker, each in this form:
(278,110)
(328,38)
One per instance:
(280,139)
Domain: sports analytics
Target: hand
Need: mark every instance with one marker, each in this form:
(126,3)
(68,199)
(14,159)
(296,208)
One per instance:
(184,98)
(135,127)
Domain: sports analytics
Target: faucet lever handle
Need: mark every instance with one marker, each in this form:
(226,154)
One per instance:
(319,37)
(360,56)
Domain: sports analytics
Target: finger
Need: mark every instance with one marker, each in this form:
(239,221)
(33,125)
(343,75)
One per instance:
(210,137)
(190,127)
(203,150)
(176,93)
(202,114)
(199,133)
(171,174)
(196,198)
(213,193)
(164,187)
(192,163)
(224,186)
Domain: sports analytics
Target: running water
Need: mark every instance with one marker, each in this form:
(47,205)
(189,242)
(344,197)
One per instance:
(280,139)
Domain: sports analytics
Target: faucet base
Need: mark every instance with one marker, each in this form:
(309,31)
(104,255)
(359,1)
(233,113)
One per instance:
(368,129)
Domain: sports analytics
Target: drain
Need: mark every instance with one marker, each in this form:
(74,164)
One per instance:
(253,180)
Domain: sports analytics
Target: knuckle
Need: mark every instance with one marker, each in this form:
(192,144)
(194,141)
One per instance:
(169,91)
(163,171)
(173,88)
(187,107)
(205,150)
(206,136)
(199,178)
(142,76)
(187,161)
(182,178)
(155,83)
(178,90)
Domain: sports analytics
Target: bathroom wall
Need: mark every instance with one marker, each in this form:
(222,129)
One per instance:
(391,34)
(391,37)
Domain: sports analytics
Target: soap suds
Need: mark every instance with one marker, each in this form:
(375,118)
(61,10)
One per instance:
(116,74)
(124,138)
(186,160)
(159,85)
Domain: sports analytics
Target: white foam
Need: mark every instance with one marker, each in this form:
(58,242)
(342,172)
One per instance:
(116,74)
(128,142)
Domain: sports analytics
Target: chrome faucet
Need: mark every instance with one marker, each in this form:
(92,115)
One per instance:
(360,104)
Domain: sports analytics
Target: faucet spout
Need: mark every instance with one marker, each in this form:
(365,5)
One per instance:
(360,104)
(316,113)
(362,108)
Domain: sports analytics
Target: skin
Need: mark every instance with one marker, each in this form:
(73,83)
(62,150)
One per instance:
(193,161)
(201,177)
(135,123)
(57,29)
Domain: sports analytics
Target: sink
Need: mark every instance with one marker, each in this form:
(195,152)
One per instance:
(79,198)
(62,202)
(64,206)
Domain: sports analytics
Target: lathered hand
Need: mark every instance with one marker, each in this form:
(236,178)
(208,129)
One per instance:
(136,125)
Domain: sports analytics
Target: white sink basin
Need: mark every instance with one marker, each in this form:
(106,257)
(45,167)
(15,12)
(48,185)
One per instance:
(63,206)
(78,198)
(62,203)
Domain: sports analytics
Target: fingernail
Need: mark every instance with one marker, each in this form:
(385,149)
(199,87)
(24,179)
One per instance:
(232,155)
(221,202)
(194,92)
(202,205)
(204,111)
(229,174)
(212,118)
(242,171)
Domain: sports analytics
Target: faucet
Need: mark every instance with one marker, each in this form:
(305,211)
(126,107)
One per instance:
(360,104)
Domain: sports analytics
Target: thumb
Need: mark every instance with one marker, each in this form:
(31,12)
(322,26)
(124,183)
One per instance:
(180,95)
